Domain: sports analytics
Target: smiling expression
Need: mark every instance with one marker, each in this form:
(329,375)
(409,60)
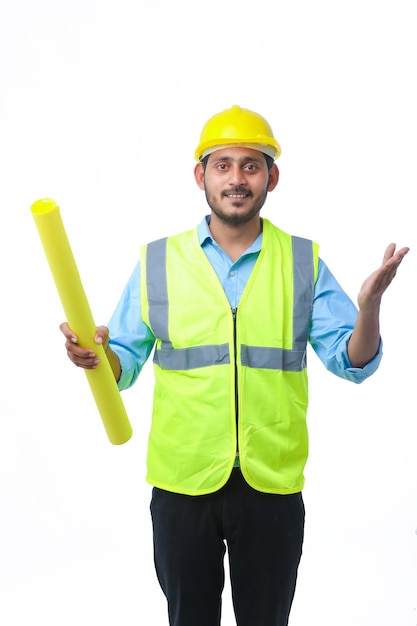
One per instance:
(236,182)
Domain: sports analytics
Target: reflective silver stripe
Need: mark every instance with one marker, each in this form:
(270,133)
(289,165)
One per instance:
(156,284)
(303,268)
(273,358)
(168,358)
(191,358)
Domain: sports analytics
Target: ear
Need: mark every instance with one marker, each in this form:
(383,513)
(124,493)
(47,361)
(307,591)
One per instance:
(273,177)
(199,175)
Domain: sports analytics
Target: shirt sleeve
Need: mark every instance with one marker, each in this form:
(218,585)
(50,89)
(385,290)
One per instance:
(130,338)
(333,319)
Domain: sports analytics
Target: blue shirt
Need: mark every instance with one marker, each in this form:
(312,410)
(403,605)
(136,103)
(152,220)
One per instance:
(332,320)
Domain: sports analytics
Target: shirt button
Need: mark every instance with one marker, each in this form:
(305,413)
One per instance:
(232,273)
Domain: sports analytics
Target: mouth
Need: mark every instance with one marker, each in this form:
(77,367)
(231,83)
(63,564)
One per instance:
(240,194)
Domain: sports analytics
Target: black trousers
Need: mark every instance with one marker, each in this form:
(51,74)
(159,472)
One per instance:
(263,534)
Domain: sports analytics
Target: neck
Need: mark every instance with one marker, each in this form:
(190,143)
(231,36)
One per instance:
(234,239)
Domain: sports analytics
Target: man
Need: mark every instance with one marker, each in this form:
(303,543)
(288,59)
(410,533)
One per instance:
(229,308)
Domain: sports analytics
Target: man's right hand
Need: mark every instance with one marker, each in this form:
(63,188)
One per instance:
(84,357)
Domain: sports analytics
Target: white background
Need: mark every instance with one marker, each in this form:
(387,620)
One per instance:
(101,107)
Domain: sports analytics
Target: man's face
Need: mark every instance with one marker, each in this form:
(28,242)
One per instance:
(236,182)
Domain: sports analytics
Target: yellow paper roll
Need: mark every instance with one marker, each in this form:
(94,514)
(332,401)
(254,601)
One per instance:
(78,313)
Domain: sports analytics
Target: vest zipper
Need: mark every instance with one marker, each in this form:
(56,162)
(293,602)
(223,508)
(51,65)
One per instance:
(234,314)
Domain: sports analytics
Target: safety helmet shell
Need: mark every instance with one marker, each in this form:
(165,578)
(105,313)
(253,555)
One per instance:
(237,126)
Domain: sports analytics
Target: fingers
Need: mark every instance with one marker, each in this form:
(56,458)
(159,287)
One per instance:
(390,251)
(376,284)
(84,357)
(392,259)
(388,270)
(402,252)
(102,336)
(66,330)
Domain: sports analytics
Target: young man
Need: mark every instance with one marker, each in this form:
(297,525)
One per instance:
(229,308)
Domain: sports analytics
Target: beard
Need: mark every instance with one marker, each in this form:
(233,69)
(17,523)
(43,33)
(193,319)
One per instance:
(240,216)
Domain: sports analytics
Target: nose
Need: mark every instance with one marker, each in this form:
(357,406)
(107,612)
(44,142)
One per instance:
(237,175)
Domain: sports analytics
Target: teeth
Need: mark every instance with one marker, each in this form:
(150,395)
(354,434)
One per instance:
(236,195)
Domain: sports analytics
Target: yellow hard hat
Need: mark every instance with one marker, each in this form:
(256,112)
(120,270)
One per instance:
(237,126)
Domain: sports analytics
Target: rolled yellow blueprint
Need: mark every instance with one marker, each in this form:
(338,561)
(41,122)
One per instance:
(78,313)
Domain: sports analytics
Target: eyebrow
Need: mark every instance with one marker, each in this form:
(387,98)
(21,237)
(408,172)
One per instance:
(245,159)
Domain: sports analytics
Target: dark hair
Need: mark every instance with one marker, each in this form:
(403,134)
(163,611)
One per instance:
(269,161)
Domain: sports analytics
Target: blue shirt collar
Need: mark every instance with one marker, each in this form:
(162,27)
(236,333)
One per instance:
(205,236)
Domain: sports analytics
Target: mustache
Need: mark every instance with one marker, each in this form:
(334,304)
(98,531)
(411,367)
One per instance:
(238,189)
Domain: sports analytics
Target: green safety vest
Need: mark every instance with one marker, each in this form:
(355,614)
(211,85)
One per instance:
(224,380)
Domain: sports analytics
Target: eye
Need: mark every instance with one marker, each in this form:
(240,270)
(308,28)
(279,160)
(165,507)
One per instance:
(251,167)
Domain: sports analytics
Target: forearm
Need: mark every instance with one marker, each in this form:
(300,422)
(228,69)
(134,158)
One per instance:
(365,339)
